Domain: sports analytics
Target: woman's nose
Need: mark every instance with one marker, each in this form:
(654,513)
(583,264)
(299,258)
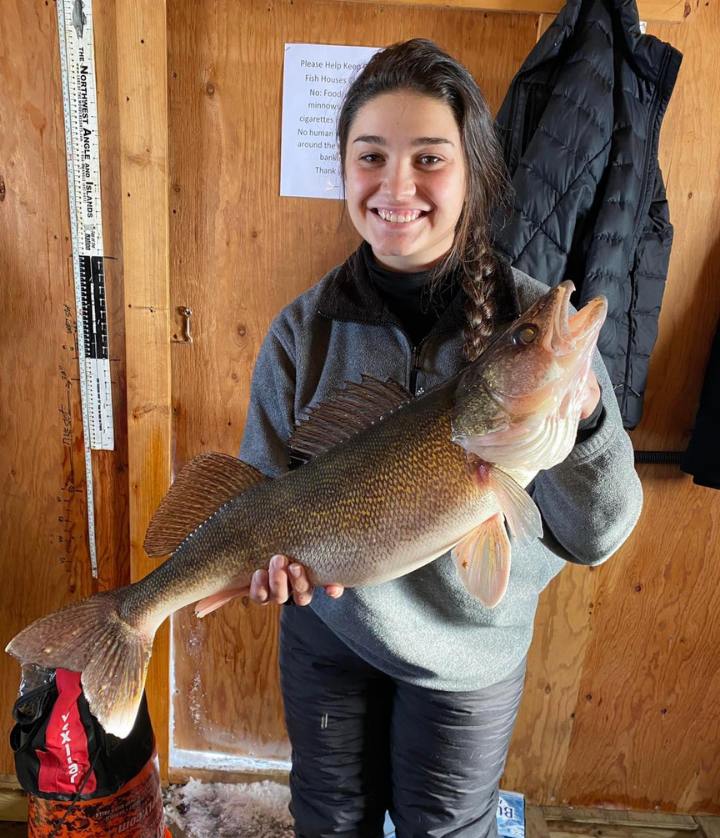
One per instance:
(399,180)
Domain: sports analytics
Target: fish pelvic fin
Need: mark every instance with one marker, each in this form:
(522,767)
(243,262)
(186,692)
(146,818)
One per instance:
(521,513)
(482,560)
(206,483)
(214,601)
(91,637)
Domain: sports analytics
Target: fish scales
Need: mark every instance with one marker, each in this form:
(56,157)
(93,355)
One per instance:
(393,497)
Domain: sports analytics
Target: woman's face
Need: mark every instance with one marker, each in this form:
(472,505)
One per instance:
(405,179)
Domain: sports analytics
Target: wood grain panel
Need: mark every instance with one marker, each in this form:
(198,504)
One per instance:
(544,728)
(46,560)
(650,684)
(649,736)
(238,254)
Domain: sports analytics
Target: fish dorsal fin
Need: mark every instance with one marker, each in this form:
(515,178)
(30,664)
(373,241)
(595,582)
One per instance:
(351,408)
(205,484)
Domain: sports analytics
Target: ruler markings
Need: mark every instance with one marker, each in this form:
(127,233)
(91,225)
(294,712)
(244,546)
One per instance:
(83,163)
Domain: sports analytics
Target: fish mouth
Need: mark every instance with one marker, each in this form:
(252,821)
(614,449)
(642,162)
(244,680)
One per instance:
(574,334)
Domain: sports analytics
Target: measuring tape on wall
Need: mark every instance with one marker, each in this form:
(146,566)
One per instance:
(77,57)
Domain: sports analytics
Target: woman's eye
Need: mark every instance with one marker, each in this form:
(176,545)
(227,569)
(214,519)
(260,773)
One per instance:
(429,159)
(371,158)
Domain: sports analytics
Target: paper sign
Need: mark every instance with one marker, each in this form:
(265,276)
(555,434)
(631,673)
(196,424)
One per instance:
(315,79)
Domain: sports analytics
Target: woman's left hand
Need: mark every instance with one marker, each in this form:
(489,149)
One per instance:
(592,396)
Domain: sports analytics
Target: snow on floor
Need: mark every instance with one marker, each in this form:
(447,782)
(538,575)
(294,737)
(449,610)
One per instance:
(230,810)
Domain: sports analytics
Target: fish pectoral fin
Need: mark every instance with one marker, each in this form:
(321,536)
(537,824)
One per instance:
(482,560)
(521,513)
(214,601)
(206,483)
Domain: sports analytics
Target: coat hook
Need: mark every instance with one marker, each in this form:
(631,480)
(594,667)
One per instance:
(185,336)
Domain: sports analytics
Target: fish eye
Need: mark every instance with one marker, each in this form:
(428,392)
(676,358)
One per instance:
(525,334)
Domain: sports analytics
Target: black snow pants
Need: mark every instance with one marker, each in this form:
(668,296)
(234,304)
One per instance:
(364,743)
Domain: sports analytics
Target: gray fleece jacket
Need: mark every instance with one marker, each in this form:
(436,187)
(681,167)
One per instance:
(425,628)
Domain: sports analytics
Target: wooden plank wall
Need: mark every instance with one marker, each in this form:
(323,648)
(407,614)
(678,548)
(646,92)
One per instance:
(45,559)
(142,94)
(622,690)
(621,705)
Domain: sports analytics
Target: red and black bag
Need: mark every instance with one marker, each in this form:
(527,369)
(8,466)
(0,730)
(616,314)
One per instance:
(80,780)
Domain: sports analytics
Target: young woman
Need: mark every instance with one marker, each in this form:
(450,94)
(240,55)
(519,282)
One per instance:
(403,696)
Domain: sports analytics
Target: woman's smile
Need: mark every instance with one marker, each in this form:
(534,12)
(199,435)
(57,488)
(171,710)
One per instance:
(399,216)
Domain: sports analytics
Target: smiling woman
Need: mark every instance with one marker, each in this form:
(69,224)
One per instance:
(424,294)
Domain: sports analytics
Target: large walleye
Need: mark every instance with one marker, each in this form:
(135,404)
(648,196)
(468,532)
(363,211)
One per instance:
(390,483)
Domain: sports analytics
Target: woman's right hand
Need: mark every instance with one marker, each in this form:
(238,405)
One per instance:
(282,579)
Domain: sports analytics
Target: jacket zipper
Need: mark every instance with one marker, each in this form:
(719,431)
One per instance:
(651,149)
(416,384)
(417,378)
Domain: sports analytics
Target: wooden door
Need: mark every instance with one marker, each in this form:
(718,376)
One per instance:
(238,254)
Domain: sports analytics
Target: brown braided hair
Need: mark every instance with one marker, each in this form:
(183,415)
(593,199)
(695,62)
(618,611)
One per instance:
(421,66)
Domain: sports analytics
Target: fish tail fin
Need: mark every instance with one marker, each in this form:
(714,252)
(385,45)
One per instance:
(92,638)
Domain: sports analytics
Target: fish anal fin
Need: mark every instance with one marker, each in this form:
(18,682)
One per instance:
(482,560)
(214,601)
(350,409)
(206,483)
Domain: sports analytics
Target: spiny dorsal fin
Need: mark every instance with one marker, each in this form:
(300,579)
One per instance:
(206,483)
(351,409)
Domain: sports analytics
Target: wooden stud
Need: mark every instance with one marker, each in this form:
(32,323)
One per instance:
(710,826)
(669,11)
(621,817)
(535,823)
(142,86)
(13,805)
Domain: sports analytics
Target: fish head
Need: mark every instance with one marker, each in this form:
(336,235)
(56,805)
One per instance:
(518,405)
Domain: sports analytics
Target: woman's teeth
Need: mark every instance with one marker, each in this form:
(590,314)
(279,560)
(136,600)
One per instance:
(402,218)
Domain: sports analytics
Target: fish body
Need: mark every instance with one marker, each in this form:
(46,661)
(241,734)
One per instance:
(390,484)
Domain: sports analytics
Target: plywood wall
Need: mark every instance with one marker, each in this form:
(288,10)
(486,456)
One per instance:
(605,697)
(620,707)
(45,557)
(623,691)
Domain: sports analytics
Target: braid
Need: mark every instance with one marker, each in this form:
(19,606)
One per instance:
(480,287)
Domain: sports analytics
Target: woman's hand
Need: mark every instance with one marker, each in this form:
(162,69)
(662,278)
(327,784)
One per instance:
(283,578)
(592,396)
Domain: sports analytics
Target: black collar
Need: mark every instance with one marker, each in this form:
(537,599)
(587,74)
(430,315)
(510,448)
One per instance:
(350,296)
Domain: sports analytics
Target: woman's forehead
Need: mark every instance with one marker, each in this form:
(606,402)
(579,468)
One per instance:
(407,116)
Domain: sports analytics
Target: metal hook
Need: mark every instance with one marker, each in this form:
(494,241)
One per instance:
(185,336)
